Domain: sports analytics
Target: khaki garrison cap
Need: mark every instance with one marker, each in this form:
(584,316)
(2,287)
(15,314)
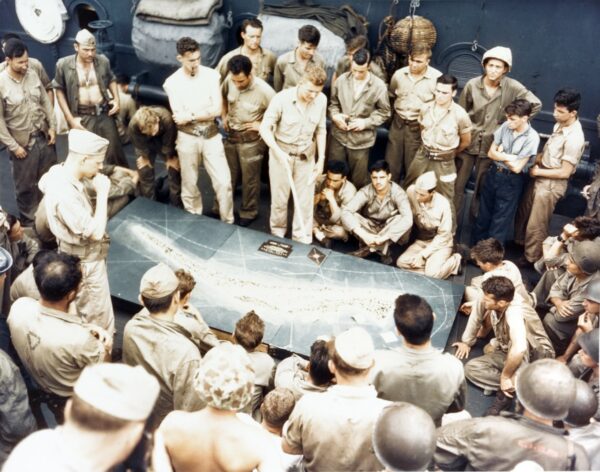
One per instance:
(86,143)
(85,38)
(355,347)
(119,390)
(158,281)
(427,181)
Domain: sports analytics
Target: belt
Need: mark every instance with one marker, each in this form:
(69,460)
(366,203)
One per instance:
(93,110)
(249,136)
(205,129)
(93,251)
(438,155)
(299,155)
(502,170)
(409,123)
(38,134)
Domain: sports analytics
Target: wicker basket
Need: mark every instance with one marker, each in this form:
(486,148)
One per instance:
(423,31)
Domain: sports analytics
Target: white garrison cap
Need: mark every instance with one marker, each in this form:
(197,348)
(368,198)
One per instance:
(355,347)
(86,143)
(158,281)
(426,181)
(119,390)
(85,38)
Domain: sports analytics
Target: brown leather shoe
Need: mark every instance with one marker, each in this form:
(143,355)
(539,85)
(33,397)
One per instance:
(502,403)
(361,252)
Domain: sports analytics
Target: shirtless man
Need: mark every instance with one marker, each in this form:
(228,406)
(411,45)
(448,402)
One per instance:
(88,94)
(214,438)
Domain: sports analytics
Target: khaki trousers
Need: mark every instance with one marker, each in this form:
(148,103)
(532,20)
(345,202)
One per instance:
(485,371)
(439,265)
(535,212)
(403,143)
(357,160)
(245,159)
(191,150)
(301,175)
(93,300)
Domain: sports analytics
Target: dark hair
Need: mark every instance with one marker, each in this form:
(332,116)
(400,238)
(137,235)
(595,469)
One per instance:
(11,220)
(277,406)
(187,282)
(361,57)
(238,64)
(379,165)
(56,274)
(500,288)
(337,167)
(340,364)
(414,318)
(420,49)
(448,79)
(8,36)
(249,331)
(488,251)
(123,79)
(588,227)
(354,43)
(158,305)
(254,22)
(317,364)
(568,98)
(187,44)
(15,48)
(518,107)
(91,418)
(309,34)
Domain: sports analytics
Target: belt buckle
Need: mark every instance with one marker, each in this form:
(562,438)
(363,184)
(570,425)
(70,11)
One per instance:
(98,108)
(199,131)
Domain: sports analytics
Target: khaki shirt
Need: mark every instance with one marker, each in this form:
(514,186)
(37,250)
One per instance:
(292,125)
(487,113)
(163,140)
(567,287)
(371,105)
(68,207)
(24,109)
(37,67)
(262,68)
(443,134)
(165,350)
(427,378)
(343,196)
(433,220)
(292,373)
(344,64)
(411,96)
(334,429)
(54,346)
(566,143)
(288,71)
(248,105)
(394,210)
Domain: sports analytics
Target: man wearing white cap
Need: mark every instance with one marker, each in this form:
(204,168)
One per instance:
(163,347)
(88,94)
(103,423)
(431,253)
(485,98)
(333,430)
(78,227)
(215,438)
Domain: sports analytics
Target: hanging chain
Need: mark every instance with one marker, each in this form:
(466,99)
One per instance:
(414,4)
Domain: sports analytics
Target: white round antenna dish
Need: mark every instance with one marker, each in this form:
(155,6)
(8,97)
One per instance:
(44,20)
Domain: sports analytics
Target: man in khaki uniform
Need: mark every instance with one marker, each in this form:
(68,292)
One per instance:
(485,98)
(154,340)
(78,227)
(379,214)
(516,327)
(88,94)
(333,191)
(318,428)
(263,60)
(354,44)
(291,66)
(411,88)
(27,127)
(551,172)
(359,104)
(245,99)
(53,344)
(294,129)
(431,253)
(445,131)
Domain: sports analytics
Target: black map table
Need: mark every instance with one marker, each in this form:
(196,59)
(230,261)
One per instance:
(311,292)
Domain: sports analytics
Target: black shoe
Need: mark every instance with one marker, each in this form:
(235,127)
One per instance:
(501,403)
(325,242)
(361,252)
(387,259)
(523,263)
(246,221)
